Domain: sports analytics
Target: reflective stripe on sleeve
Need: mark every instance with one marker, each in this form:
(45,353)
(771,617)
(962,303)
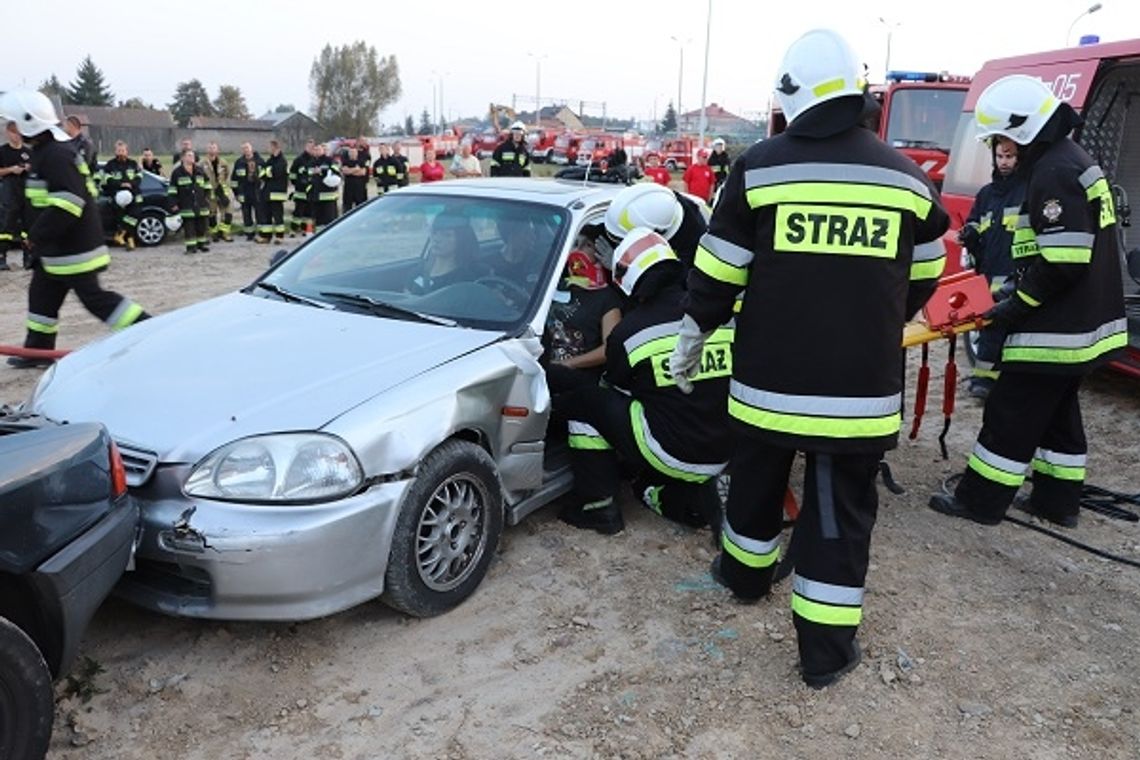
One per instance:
(1066,247)
(1063,348)
(929,260)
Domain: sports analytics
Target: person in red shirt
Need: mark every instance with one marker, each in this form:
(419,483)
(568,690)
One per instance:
(699,178)
(655,171)
(430,170)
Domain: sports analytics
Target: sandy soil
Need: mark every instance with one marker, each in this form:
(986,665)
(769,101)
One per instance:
(980,643)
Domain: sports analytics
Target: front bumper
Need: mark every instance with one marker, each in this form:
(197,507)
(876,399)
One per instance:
(211,559)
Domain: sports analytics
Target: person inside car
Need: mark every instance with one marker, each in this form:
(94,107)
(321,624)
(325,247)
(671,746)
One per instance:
(448,258)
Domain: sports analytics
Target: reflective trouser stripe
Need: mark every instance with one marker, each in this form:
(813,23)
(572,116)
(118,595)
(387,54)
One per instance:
(661,460)
(825,614)
(124,315)
(749,551)
(41,324)
(586,437)
(997,468)
(1060,466)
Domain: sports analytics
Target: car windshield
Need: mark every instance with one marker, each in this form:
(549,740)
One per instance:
(470,261)
(924,118)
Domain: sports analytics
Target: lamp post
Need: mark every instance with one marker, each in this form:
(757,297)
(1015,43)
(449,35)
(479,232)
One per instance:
(1089,11)
(705,78)
(537,88)
(438,126)
(891,27)
(680,75)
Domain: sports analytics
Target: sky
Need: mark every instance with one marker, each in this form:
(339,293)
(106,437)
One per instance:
(465,55)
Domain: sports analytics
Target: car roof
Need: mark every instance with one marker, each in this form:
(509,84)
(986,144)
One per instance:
(555,192)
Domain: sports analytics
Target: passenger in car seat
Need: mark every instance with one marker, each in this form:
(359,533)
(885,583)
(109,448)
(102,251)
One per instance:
(449,256)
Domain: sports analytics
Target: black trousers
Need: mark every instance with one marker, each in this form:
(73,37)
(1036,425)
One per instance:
(324,214)
(250,217)
(829,549)
(1030,420)
(45,296)
(275,216)
(194,231)
(302,214)
(355,193)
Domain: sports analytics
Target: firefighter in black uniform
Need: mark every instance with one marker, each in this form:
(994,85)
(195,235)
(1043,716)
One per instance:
(65,234)
(81,143)
(384,170)
(355,169)
(401,162)
(512,157)
(190,191)
(245,181)
(1065,317)
(274,192)
(324,189)
(987,237)
(835,240)
(302,221)
(681,441)
(119,180)
(15,161)
(719,162)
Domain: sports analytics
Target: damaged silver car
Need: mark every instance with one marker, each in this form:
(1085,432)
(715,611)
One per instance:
(360,422)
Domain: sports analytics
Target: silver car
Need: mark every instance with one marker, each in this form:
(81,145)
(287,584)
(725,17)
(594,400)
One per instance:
(360,422)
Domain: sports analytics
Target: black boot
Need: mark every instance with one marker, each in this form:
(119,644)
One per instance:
(603,516)
(948,505)
(27,362)
(823,680)
(718,576)
(1025,504)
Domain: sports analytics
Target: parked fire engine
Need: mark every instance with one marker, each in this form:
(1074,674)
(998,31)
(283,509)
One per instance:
(676,152)
(566,148)
(597,148)
(1099,82)
(541,143)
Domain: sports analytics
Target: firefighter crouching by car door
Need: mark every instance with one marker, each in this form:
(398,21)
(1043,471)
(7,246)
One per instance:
(1065,318)
(245,181)
(678,443)
(324,189)
(119,180)
(65,233)
(217,172)
(302,221)
(190,190)
(835,238)
(274,193)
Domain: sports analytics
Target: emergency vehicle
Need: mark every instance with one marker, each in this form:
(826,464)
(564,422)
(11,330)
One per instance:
(676,153)
(596,148)
(566,148)
(541,143)
(1098,81)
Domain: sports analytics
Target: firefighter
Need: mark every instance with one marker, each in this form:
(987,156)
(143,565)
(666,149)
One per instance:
(719,162)
(217,171)
(82,144)
(511,157)
(835,239)
(15,161)
(245,182)
(324,188)
(274,192)
(679,217)
(987,238)
(1065,317)
(401,163)
(150,162)
(183,146)
(119,181)
(681,442)
(355,170)
(302,221)
(384,170)
(65,234)
(191,193)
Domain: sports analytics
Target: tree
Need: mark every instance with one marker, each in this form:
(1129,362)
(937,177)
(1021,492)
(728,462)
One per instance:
(53,87)
(89,89)
(230,103)
(426,127)
(409,125)
(134,103)
(190,99)
(285,108)
(350,86)
(669,123)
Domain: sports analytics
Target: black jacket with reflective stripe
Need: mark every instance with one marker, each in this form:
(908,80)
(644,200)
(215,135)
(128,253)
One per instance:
(275,177)
(993,208)
(1073,269)
(245,179)
(119,175)
(720,164)
(835,240)
(694,427)
(55,229)
(510,159)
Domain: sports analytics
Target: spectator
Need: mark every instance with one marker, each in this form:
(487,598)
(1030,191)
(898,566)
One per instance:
(150,162)
(464,164)
(430,170)
(655,171)
(699,178)
(15,161)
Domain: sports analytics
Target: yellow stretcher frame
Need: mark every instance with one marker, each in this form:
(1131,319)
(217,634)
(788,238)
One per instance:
(917,333)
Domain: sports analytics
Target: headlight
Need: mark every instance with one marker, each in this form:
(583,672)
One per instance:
(287,467)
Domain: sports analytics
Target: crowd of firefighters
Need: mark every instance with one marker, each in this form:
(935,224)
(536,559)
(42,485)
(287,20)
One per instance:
(771,328)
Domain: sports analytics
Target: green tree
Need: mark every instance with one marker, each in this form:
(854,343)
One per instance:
(409,125)
(89,89)
(285,108)
(53,87)
(669,123)
(190,99)
(350,86)
(426,127)
(231,103)
(134,103)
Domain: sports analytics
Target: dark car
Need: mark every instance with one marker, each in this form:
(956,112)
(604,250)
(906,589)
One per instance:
(67,533)
(152,214)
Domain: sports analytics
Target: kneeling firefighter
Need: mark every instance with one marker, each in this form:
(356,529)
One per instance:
(678,217)
(679,441)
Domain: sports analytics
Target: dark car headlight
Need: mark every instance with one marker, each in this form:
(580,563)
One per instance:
(283,467)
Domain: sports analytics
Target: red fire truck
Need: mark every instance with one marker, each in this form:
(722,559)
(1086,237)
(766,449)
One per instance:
(1098,81)
(566,148)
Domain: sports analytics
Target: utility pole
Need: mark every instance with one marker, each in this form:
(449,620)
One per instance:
(705,79)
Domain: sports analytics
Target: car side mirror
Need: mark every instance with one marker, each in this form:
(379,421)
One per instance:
(277,256)
(1133,260)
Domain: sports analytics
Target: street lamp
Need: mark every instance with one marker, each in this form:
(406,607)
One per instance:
(891,27)
(1090,10)
(680,76)
(537,88)
(439,75)
(705,79)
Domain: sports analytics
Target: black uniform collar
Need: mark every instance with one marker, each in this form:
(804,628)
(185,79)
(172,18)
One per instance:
(1063,121)
(833,117)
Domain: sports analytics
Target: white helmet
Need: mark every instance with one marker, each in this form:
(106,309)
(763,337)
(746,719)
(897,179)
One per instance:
(331,180)
(641,249)
(1016,107)
(33,113)
(646,204)
(123,198)
(718,142)
(818,67)
(518,126)
(174,223)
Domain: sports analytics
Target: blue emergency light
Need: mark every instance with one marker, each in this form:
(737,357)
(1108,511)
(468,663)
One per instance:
(912,76)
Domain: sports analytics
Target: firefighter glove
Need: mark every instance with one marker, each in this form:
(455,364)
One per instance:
(1010,312)
(969,236)
(685,361)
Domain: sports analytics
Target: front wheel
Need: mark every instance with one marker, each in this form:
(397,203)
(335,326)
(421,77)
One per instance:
(27,708)
(151,230)
(447,531)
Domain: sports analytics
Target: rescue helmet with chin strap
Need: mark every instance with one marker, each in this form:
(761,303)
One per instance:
(641,249)
(818,67)
(33,113)
(644,205)
(1016,106)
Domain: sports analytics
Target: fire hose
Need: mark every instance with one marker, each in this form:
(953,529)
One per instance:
(34,353)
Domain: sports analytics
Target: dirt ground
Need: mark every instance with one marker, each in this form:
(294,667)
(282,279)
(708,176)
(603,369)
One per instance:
(979,642)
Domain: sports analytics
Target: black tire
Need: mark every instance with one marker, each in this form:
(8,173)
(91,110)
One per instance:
(458,480)
(151,230)
(27,708)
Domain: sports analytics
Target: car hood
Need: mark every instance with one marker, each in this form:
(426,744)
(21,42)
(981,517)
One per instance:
(185,383)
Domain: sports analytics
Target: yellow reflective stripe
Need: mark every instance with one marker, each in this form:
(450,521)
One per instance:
(1024,243)
(40,327)
(927,270)
(128,318)
(847,193)
(84,266)
(1066,255)
(747,558)
(638,423)
(716,361)
(718,269)
(1027,298)
(824,427)
(1097,189)
(1054,355)
(825,614)
(588,443)
(1058,471)
(828,87)
(989,472)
